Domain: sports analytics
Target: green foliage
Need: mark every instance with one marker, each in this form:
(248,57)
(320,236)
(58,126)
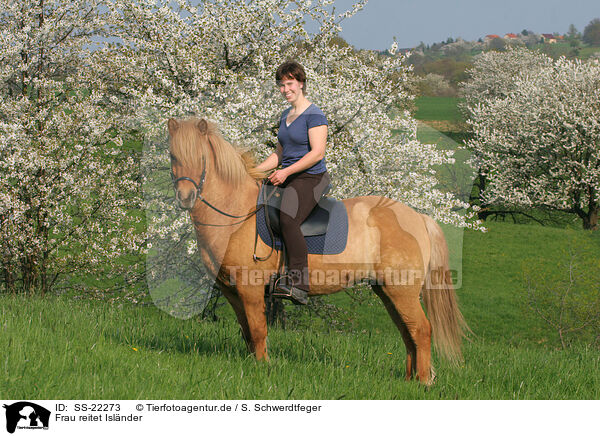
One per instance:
(339,41)
(497,44)
(573,33)
(587,52)
(556,50)
(566,294)
(453,70)
(591,33)
(434,85)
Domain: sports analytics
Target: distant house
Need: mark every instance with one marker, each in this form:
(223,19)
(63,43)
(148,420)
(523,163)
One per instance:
(511,36)
(548,38)
(490,37)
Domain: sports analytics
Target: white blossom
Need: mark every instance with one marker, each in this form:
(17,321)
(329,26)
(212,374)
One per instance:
(536,125)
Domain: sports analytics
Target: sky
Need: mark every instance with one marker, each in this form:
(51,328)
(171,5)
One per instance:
(413,21)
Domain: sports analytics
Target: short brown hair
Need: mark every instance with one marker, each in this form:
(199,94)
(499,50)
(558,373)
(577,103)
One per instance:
(293,70)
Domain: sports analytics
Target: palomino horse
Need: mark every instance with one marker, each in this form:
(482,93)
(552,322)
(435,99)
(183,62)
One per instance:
(219,186)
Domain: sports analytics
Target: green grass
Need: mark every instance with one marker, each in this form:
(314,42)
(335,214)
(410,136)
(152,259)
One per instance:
(60,347)
(438,109)
(586,52)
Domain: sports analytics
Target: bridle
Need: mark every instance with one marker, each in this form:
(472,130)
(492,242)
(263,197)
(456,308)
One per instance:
(199,196)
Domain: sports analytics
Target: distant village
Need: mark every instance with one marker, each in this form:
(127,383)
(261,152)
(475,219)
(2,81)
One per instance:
(442,66)
(544,37)
(492,41)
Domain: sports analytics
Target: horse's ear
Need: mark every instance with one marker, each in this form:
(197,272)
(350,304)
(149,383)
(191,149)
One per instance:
(202,126)
(173,125)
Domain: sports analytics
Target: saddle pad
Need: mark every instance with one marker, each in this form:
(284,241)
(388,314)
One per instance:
(332,242)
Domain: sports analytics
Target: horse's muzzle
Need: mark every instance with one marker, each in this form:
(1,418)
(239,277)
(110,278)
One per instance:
(186,200)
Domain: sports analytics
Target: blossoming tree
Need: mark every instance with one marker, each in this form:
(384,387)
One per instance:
(218,60)
(67,183)
(537,131)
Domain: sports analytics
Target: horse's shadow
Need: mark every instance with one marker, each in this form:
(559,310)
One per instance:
(215,345)
(232,346)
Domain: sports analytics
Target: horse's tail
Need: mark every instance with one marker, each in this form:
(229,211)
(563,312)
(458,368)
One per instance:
(439,297)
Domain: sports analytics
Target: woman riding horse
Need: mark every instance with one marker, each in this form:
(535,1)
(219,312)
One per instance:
(402,253)
(301,152)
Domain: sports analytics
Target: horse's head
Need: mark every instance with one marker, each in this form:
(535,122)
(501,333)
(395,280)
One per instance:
(188,164)
(198,152)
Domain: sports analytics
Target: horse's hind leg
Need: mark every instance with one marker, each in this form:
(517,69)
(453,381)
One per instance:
(402,303)
(411,357)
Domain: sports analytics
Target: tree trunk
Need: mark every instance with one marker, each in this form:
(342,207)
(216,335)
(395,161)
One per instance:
(590,220)
(275,312)
(9,282)
(480,183)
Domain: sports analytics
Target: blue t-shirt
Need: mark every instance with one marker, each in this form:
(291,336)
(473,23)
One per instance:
(294,138)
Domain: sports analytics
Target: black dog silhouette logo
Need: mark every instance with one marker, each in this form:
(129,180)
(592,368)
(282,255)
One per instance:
(26,415)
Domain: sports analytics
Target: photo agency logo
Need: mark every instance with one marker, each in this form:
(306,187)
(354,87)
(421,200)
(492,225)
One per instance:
(27,416)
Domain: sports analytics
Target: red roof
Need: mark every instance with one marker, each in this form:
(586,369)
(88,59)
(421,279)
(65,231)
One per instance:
(548,36)
(492,36)
(510,35)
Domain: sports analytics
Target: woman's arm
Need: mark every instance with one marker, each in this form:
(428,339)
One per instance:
(272,161)
(317,137)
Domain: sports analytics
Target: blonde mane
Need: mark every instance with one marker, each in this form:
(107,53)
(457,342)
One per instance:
(196,139)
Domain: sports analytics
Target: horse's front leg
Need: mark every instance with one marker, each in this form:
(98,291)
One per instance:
(253,302)
(236,303)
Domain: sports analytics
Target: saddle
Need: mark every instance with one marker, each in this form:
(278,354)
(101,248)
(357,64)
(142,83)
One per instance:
(325,229)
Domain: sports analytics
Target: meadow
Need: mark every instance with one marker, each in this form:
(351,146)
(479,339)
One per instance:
(438,109)
(60,347)
(80,348)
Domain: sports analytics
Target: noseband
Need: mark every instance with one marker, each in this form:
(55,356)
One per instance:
(198,186)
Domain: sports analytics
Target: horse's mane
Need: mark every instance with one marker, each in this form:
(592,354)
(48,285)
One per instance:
(195,139)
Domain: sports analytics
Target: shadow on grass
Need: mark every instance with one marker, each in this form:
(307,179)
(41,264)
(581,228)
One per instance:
(216,344)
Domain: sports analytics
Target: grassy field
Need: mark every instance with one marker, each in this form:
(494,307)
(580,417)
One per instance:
(64,348)
(438,109)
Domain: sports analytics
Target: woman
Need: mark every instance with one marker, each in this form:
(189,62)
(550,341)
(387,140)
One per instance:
(301,152)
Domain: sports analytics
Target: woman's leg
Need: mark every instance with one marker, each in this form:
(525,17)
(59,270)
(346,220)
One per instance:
(300,197)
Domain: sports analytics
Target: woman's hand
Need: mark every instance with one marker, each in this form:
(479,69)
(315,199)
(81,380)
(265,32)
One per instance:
(278,177)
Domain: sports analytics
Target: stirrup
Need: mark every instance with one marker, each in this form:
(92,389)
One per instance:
(289,292)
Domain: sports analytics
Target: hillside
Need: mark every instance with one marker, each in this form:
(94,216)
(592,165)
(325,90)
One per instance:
(443,66)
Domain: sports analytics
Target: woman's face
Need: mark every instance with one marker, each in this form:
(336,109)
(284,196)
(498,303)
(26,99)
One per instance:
(290,88)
